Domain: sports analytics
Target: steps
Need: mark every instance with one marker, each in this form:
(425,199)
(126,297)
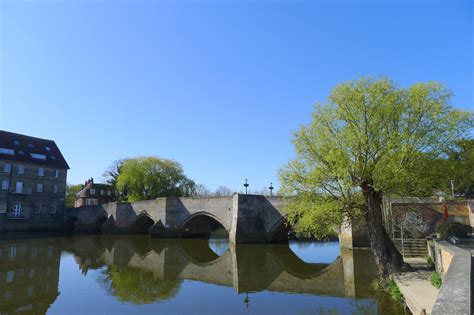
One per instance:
(412,247)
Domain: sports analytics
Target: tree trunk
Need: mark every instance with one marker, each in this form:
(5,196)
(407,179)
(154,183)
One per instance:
(387,256)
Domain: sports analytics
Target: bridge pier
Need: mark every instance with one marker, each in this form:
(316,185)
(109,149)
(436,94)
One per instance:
(246,218)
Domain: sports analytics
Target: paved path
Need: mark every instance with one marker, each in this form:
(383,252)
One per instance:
(420,295)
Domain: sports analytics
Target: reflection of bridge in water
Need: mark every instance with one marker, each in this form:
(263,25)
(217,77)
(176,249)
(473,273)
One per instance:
(246,267)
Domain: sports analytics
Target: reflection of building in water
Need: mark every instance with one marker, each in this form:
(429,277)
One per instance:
(29,275)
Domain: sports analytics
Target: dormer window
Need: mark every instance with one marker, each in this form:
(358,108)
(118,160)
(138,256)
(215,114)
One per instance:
(53,157)
(47,148)
(21,152)
(31,145)
(16,142)
(7,151)
(38,156)
(92,191)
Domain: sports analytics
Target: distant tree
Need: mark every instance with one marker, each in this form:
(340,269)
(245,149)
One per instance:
(111,175)
(152,177)
(461,168)
(201,190)
(372,138)
(71,191)
(223,191)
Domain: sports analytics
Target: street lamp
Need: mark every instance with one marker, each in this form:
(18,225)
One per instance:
(246,184)
(271,189)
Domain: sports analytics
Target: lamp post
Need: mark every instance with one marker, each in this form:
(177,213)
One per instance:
(271,189)
(246,184)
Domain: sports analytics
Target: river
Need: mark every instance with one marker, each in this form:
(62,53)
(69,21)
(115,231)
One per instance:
(127,274)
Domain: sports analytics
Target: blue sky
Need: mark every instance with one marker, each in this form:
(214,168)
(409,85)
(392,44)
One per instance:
(218,86)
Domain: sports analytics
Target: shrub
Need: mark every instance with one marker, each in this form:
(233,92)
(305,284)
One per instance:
(389,286)
(436,280)
(431,263)
(395,292)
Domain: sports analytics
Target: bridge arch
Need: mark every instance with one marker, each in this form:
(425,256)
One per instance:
(71,222)
(202,224)
(98,222)
(141,224)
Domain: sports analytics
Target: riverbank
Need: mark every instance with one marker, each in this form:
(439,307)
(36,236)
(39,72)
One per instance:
(454,296)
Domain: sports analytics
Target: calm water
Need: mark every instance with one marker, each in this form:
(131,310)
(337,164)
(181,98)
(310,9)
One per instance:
(139,275)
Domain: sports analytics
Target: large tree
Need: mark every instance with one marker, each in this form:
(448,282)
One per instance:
(371,138)
(152,177)
(71,191)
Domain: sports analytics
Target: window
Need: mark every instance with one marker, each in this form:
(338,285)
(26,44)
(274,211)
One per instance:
(53,207)
(109,193)
(38,156)
(55,188)
(56,173)
(16,209)
(39,187)
(53,157)
(7,168)
(21,152)
(91,202)
(19,187)
(16,142)
(10,276)
(7,151)
(21,169)
(5,184)
(38,207)
(40,171)
(92,191)
(31,145)
(102,192)
(47,148)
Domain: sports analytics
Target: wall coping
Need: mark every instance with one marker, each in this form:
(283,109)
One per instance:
(454,296)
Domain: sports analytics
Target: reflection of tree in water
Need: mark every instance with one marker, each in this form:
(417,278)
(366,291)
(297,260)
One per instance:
(138,286)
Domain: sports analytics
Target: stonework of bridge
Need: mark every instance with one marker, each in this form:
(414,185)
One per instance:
(246,218)
(246,267)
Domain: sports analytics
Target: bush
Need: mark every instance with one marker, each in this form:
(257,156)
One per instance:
(395,292)
(436,280)
(431,263)
(391,287)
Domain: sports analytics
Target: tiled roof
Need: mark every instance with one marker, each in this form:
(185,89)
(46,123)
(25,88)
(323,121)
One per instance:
(21,148)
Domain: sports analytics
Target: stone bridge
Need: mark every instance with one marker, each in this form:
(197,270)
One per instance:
(246,267)
(246,218)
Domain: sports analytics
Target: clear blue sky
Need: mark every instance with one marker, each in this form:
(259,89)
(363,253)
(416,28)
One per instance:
(218,86)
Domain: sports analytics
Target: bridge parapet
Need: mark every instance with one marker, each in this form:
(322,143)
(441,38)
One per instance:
(247,218)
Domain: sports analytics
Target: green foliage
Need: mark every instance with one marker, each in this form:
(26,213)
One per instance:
(456,165)
(431,263)
(369,131)
(436,280)
(395,292)
(151,177)
(442,229)
(389,285)
(111,175)
(71,191)
(139,286)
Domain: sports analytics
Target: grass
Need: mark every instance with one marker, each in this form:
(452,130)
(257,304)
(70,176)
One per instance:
(388,285)
(436,280)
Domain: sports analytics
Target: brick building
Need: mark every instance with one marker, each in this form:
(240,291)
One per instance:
(33,176)
(93,194)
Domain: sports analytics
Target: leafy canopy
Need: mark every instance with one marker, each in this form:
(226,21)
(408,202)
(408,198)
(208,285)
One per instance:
(369,131)
(152,177)
(71,191)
